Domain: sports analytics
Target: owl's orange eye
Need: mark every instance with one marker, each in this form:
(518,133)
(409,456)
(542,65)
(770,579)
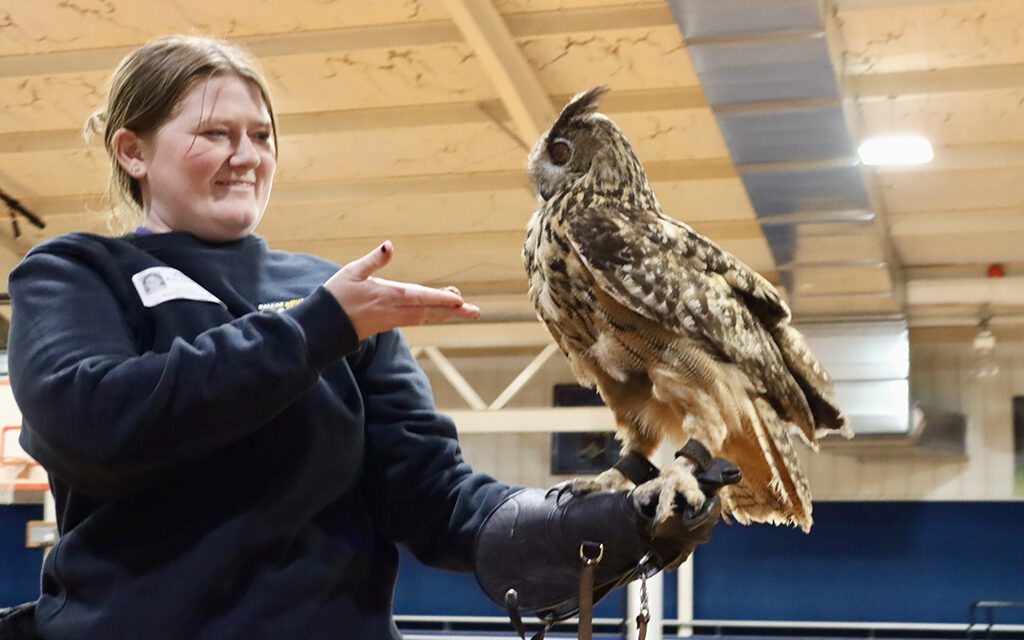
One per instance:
(560,151)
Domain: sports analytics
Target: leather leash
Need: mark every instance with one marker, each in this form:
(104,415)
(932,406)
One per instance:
(591,554)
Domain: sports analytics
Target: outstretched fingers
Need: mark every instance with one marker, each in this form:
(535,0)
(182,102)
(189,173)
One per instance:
(374,304)
(416,304)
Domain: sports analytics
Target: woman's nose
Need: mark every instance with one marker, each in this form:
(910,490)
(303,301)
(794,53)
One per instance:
(246,154)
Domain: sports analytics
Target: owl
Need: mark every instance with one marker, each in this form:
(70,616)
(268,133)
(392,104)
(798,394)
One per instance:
(681,339)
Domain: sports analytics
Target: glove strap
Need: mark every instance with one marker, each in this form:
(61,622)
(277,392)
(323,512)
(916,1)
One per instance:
(591,554)
(512,607)
(637,468)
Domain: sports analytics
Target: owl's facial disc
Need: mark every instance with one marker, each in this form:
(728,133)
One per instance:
(547,174)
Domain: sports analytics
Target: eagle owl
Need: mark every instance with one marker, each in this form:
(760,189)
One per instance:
(680,338)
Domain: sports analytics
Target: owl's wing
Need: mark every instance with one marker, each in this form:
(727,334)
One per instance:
(672,275)
(763,300)
(634,246)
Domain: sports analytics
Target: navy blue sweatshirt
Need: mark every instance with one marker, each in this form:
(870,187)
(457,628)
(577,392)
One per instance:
(234,464)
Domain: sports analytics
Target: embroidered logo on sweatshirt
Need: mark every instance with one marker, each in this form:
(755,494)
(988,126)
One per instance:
(279,306)
(157,285)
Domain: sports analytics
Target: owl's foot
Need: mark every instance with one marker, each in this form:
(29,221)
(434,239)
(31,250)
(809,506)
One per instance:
(610,480)
(675,479)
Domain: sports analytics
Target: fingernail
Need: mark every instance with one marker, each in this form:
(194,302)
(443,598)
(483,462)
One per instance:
(386,247)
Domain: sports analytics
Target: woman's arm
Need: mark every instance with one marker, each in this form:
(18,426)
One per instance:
(426,496)
(106,419)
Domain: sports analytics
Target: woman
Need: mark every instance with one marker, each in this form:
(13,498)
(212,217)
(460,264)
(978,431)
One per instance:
(236,452)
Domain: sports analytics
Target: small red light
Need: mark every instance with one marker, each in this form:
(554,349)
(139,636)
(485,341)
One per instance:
(996,271)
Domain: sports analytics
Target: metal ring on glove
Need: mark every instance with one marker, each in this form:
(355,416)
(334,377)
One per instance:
(586,558)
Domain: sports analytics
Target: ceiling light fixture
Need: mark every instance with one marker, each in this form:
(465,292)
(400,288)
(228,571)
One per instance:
(892,150)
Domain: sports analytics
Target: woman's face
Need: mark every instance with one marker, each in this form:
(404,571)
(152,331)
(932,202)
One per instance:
(208,169)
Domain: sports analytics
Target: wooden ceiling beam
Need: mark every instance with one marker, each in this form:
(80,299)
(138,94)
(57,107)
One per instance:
(976,291)
(963,157)
(883,86)
(956,270)
(475,335)
(614,18)
(520,420)
(489,181)
(56,140)
(410,34)
(384,36)
(12,250)
(909,224)
(850,6)
(325,122)
(517,83)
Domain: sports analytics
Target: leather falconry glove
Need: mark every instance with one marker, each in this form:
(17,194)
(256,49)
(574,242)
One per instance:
(530,549)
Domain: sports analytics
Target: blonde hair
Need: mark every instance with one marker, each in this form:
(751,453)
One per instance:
(145,92)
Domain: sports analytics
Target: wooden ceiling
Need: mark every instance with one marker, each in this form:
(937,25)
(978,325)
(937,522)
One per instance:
(410,120)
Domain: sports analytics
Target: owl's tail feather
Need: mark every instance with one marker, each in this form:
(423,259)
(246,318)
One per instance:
(793,483)
(774,488)
(814,381)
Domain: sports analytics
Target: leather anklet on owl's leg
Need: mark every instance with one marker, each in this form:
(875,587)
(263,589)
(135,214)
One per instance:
(631,469)
(679,478)
(636,467)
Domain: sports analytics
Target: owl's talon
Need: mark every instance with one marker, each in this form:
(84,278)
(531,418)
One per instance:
(572,487)
(568,488)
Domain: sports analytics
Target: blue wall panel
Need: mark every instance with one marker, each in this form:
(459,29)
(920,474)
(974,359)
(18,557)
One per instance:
(19,567)
(867,561)
(863,561)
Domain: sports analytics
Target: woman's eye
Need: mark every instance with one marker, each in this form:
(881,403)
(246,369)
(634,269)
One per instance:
(263,136)
(560,151)
(216,133)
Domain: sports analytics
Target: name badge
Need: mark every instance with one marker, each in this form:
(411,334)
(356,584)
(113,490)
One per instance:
(157,285)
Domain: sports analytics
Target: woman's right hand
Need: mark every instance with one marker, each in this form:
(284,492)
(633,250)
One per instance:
(375,305)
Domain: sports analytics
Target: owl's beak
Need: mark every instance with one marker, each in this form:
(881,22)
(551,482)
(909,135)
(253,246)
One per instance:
(544,183)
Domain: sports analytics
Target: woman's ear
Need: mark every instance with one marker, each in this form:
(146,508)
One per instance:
(128,149)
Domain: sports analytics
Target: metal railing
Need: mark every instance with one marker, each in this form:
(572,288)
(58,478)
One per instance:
(989,606)
(432,627)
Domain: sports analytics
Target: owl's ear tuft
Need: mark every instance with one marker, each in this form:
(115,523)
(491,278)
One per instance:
(580,105)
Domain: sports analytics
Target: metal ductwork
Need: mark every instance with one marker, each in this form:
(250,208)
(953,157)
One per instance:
(768,75)
(870,363)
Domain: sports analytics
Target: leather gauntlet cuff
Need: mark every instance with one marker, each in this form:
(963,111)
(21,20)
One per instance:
(532,544)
